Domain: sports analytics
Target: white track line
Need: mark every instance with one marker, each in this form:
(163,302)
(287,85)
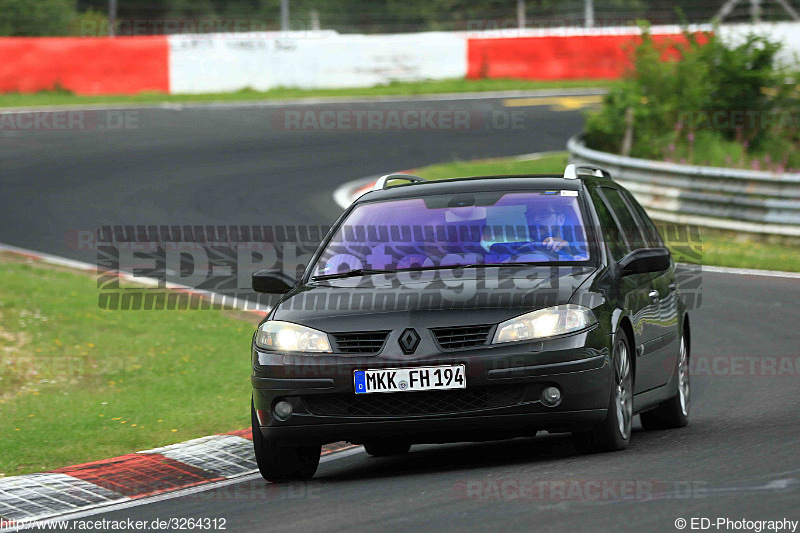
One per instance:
(330,100)
(346,194)
(242,478)
(744,271)
(254,475)
(235,303)
(116,505)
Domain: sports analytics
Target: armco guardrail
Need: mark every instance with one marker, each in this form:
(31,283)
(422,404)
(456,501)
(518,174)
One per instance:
(724,198)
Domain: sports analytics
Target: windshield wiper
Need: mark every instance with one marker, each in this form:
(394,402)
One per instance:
(368,271)
(490,265)
(351,273)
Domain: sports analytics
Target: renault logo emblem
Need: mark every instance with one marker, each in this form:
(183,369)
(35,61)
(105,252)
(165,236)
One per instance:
(409,340)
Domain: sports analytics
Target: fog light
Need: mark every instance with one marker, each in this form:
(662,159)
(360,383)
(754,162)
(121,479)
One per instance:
(551,396)
(282,410)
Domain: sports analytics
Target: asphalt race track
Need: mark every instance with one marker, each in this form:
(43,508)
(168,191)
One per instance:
(738,458)
(235,166)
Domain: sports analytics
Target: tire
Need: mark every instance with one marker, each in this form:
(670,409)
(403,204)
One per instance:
(385,448)
(673,413)
(278,462)
(614,433)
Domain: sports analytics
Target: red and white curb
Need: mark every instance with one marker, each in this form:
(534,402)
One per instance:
(349,192)
(135,479)
(171,471)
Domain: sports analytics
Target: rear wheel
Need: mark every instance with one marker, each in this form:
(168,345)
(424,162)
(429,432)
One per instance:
(673,413)
(614,433)
(278,462)
(385,448)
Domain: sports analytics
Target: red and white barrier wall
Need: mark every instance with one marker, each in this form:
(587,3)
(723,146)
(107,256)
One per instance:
(84,65)
(229,62)
(601,54)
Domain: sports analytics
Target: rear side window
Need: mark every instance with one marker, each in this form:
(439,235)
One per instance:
(610,230)
(651,235)
(627,220)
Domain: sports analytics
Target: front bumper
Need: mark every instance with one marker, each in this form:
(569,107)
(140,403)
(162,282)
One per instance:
(502,399)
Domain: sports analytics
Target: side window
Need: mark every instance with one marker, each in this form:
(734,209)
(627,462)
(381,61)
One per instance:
(652,237)
(627,220)
(610,231)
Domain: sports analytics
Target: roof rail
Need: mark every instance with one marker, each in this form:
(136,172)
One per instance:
(383,181)
(571,172)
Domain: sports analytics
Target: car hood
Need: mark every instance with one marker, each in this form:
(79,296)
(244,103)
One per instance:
(428,299)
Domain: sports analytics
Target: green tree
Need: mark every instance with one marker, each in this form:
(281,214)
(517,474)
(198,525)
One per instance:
(669,103)
(39,17)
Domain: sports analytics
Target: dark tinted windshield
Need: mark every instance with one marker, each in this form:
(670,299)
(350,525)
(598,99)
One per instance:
(485,228)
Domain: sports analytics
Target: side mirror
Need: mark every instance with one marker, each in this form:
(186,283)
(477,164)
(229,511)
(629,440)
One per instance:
(272,282)
(644,260)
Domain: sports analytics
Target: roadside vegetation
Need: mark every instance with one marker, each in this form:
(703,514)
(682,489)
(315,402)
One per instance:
(703,246)
(79,383)
(90,17)
(62,97)
(704,102)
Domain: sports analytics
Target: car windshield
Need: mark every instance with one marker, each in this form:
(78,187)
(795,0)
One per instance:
(478,228)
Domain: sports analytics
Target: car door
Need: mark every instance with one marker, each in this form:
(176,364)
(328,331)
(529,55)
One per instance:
(666,285)
(640,297)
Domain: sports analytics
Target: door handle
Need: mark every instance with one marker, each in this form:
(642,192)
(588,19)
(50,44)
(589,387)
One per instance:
(653,294)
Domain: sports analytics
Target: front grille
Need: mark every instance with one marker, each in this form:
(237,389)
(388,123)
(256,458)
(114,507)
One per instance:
(360,342)
(461,336)
(413,403)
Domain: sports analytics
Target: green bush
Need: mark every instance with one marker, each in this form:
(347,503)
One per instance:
(703,101)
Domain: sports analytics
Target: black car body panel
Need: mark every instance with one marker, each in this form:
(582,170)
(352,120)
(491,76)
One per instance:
(504,382)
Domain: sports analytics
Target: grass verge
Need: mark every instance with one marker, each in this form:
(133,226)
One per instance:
(79,383)
(57,98)
(713,247)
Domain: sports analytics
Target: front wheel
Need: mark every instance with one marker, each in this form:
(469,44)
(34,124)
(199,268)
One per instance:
(278,462)
(673,413)
(614,433)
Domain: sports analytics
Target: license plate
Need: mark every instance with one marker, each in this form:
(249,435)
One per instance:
(410,379)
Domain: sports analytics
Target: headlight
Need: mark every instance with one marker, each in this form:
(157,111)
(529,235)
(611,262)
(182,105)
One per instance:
(288,337)
(544,323)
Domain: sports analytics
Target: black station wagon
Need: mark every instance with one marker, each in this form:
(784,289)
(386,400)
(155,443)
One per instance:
(472,309)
